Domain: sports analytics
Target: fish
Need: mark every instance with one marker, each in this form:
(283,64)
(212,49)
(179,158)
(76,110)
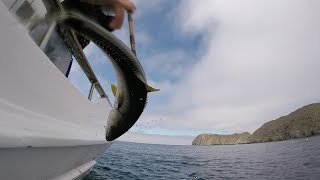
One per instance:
(130,97)
(131,89)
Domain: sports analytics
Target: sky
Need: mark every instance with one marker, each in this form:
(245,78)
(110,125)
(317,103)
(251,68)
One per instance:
(223,66)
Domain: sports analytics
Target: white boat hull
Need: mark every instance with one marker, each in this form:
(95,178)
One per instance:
(49,162)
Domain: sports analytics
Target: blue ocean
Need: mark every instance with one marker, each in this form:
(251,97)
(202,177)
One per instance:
(293,159)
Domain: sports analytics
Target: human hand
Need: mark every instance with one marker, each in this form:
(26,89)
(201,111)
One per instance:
(118,18)
(128,5)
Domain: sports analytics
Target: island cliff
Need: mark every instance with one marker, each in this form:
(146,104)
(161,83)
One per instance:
(216,139)
(303,122)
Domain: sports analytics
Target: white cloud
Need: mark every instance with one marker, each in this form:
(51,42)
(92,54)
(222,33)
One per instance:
(261,62)
(156,139)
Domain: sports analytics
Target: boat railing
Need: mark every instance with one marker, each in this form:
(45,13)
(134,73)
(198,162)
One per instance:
(55,6)
(85,66)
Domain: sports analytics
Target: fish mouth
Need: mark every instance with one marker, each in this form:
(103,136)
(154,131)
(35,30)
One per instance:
(113,128)
(111,134)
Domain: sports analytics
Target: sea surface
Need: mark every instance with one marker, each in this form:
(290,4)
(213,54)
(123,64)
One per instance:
(293,159)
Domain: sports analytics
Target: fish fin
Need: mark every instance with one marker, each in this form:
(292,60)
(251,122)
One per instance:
(114,89)
(151,89)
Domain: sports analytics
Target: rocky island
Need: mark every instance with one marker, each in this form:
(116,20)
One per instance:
(303,122)
(216,139)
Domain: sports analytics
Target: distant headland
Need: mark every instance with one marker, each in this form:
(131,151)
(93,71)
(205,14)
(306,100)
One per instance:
(303,122)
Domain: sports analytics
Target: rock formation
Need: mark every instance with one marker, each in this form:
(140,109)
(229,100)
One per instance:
(216,139)
(301,123)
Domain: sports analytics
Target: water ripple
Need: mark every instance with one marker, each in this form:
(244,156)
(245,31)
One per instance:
(294,159)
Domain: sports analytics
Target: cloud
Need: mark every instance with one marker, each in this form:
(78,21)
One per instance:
(261,62)
(156,139)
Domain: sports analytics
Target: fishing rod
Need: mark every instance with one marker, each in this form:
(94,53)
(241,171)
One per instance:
(132,40)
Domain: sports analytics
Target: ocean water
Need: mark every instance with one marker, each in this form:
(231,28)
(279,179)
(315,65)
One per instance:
(293,159)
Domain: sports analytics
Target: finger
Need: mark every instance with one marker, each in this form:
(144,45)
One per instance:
(133,8)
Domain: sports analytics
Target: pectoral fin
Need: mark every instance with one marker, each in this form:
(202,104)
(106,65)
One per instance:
(114,89)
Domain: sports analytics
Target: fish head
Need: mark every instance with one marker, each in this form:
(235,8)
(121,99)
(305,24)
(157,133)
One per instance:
(113,127)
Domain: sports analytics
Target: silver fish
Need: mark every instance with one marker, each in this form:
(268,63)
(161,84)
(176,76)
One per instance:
(132,88)
(130,98)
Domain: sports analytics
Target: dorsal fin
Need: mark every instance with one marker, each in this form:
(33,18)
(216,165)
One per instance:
(151,89)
